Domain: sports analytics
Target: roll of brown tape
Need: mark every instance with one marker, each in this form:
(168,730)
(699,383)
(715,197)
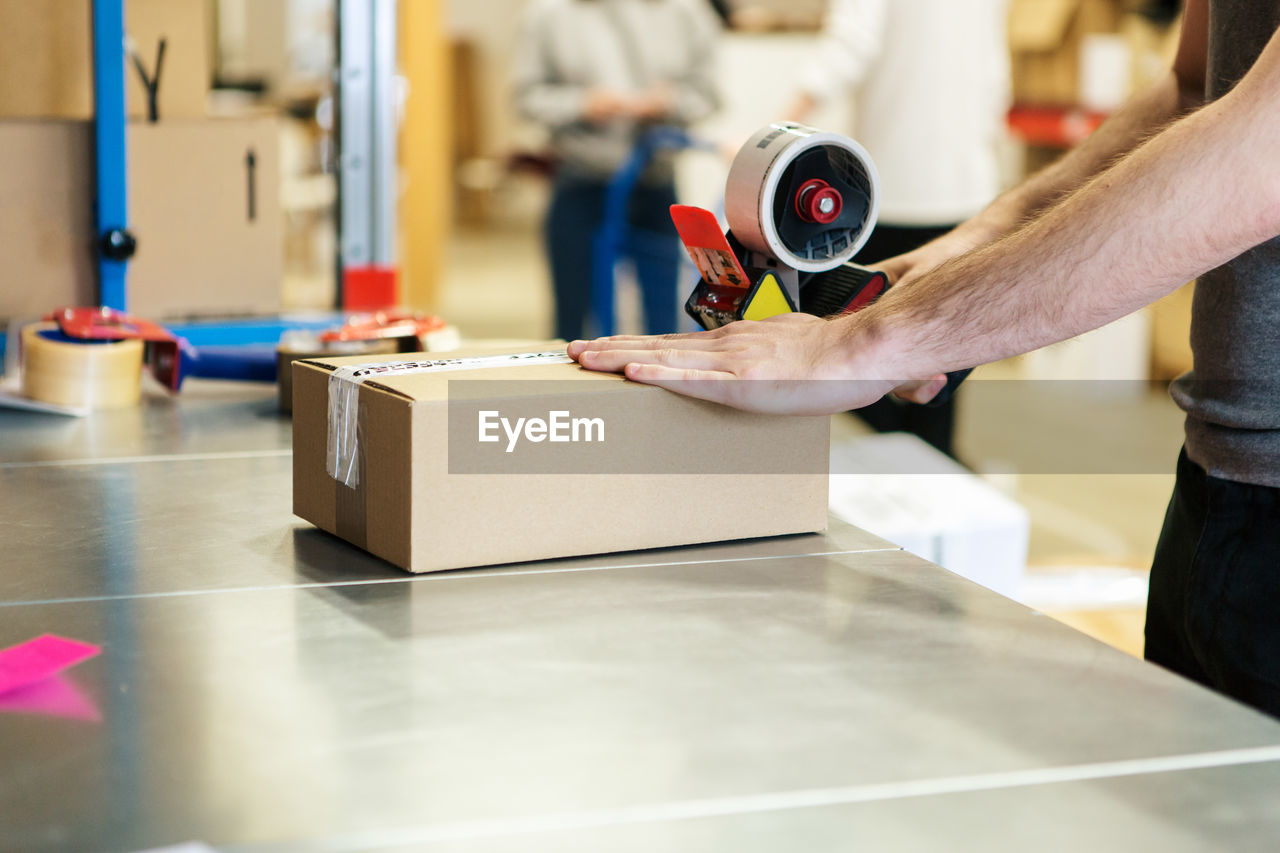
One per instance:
(83,375)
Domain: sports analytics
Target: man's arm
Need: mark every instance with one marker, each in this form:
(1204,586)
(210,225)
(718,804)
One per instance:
(1190,198)
(1179,91)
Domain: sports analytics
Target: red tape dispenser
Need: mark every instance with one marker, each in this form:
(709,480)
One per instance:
(412,331)
(800,203)
(107,324)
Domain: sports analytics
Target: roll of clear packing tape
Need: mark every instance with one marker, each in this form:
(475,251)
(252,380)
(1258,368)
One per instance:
(80,374)
(759,195)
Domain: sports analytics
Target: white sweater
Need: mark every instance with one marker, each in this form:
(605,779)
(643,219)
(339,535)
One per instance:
(930,81)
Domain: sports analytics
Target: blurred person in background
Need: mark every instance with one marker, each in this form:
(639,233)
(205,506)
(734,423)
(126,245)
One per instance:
(598,74)
(930,86)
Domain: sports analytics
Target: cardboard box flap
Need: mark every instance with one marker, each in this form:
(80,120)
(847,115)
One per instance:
(425,377)
(1040,25)
(419,381)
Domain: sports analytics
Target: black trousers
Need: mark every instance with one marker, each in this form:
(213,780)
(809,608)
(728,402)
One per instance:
(1213,611)
(934,424)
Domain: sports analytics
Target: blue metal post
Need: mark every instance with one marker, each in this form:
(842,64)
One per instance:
(110,145)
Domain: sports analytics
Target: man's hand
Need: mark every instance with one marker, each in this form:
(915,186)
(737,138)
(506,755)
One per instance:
(906,268)
(653,104)
(789,364)
(602,105)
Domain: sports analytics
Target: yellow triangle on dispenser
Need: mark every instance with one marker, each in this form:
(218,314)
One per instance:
(768,299)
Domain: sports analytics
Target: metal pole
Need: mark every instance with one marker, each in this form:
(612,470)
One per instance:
(368,189)
(355,142)
(385,174)
(115,243)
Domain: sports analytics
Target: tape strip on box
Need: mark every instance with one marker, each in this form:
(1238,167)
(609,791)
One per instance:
(341,458)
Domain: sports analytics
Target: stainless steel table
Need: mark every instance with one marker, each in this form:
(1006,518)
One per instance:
(265,686)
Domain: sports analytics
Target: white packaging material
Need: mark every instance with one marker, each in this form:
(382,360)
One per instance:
(1106,71)
(1120,350)
(898,487)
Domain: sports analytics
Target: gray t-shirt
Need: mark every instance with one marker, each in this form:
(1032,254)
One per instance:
(1232,396)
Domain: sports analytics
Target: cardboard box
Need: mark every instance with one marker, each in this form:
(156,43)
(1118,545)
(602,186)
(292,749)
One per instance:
(209,226)
(1045,38)
(1153,45)
(46,219)
(200,251)
(429,495)
(46,57)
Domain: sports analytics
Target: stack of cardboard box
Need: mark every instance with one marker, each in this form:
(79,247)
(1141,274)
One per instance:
(203,193)
(1045,39)
(1049,41)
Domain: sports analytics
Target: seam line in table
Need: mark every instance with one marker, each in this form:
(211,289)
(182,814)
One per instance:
(431,576)
(211,456)
(649,813)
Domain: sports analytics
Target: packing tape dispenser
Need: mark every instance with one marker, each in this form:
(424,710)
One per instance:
(800,203)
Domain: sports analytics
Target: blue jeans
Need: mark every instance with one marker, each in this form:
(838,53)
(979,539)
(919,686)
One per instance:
(1213,612)
(577,207)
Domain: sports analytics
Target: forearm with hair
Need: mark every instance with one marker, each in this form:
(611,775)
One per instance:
(1141,117)
(1190,198)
